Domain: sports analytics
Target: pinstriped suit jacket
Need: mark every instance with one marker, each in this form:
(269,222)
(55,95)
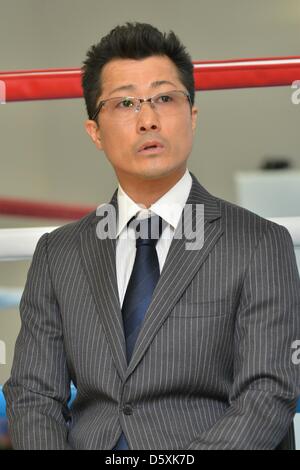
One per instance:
(212,367)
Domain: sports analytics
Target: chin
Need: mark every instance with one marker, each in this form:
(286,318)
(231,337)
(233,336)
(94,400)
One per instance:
(161,171)
(155,173)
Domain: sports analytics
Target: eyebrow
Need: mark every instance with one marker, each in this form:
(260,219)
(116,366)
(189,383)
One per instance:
(130,87)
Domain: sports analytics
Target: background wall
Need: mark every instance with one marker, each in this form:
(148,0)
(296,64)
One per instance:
(45,153)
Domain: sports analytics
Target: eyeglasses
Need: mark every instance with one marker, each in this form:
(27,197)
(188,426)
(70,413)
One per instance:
(125,107)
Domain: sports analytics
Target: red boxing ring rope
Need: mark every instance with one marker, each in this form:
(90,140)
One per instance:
(66,83)
(42,210)
(243,73)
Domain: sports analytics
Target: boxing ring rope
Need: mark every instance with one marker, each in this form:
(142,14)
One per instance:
(47,210)
(18,244)
(213,75)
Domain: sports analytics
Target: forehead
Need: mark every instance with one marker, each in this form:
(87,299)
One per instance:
(137,74)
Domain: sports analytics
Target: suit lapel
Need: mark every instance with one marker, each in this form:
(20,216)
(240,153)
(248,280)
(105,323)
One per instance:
(99,261)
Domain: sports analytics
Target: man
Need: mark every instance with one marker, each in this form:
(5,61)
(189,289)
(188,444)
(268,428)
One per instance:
(170,347)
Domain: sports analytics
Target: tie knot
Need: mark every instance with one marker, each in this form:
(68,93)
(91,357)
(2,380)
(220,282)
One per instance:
(147,231)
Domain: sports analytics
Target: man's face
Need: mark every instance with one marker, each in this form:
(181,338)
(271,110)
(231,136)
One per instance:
(121,140)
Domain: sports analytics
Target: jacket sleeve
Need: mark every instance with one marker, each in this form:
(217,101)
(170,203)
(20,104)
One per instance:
(38,390)
(266,378)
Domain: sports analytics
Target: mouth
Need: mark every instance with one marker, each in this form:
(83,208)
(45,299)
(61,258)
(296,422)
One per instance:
(151,148)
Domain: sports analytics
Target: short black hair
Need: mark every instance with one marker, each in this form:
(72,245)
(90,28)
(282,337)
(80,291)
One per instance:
(133,41)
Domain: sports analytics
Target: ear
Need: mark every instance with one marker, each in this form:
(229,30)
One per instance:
(194,118)
(93,131)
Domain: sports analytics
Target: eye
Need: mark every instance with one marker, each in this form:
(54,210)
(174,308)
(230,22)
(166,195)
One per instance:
(125,103)
(164,99)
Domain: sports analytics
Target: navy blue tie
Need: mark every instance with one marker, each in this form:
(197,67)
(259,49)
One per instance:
(142,282)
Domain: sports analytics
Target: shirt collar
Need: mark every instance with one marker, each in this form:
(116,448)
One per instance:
(169,207)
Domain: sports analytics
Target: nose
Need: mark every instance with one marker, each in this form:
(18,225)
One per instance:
(147,118)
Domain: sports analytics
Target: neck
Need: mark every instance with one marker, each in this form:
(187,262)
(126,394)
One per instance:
(148,191)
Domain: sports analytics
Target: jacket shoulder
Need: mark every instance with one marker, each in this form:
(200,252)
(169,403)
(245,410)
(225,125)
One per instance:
(242,220)
(68,233)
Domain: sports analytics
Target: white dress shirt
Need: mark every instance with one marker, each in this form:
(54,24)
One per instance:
(169,207)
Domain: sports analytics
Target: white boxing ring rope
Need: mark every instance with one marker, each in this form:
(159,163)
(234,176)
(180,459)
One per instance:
(19,243)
